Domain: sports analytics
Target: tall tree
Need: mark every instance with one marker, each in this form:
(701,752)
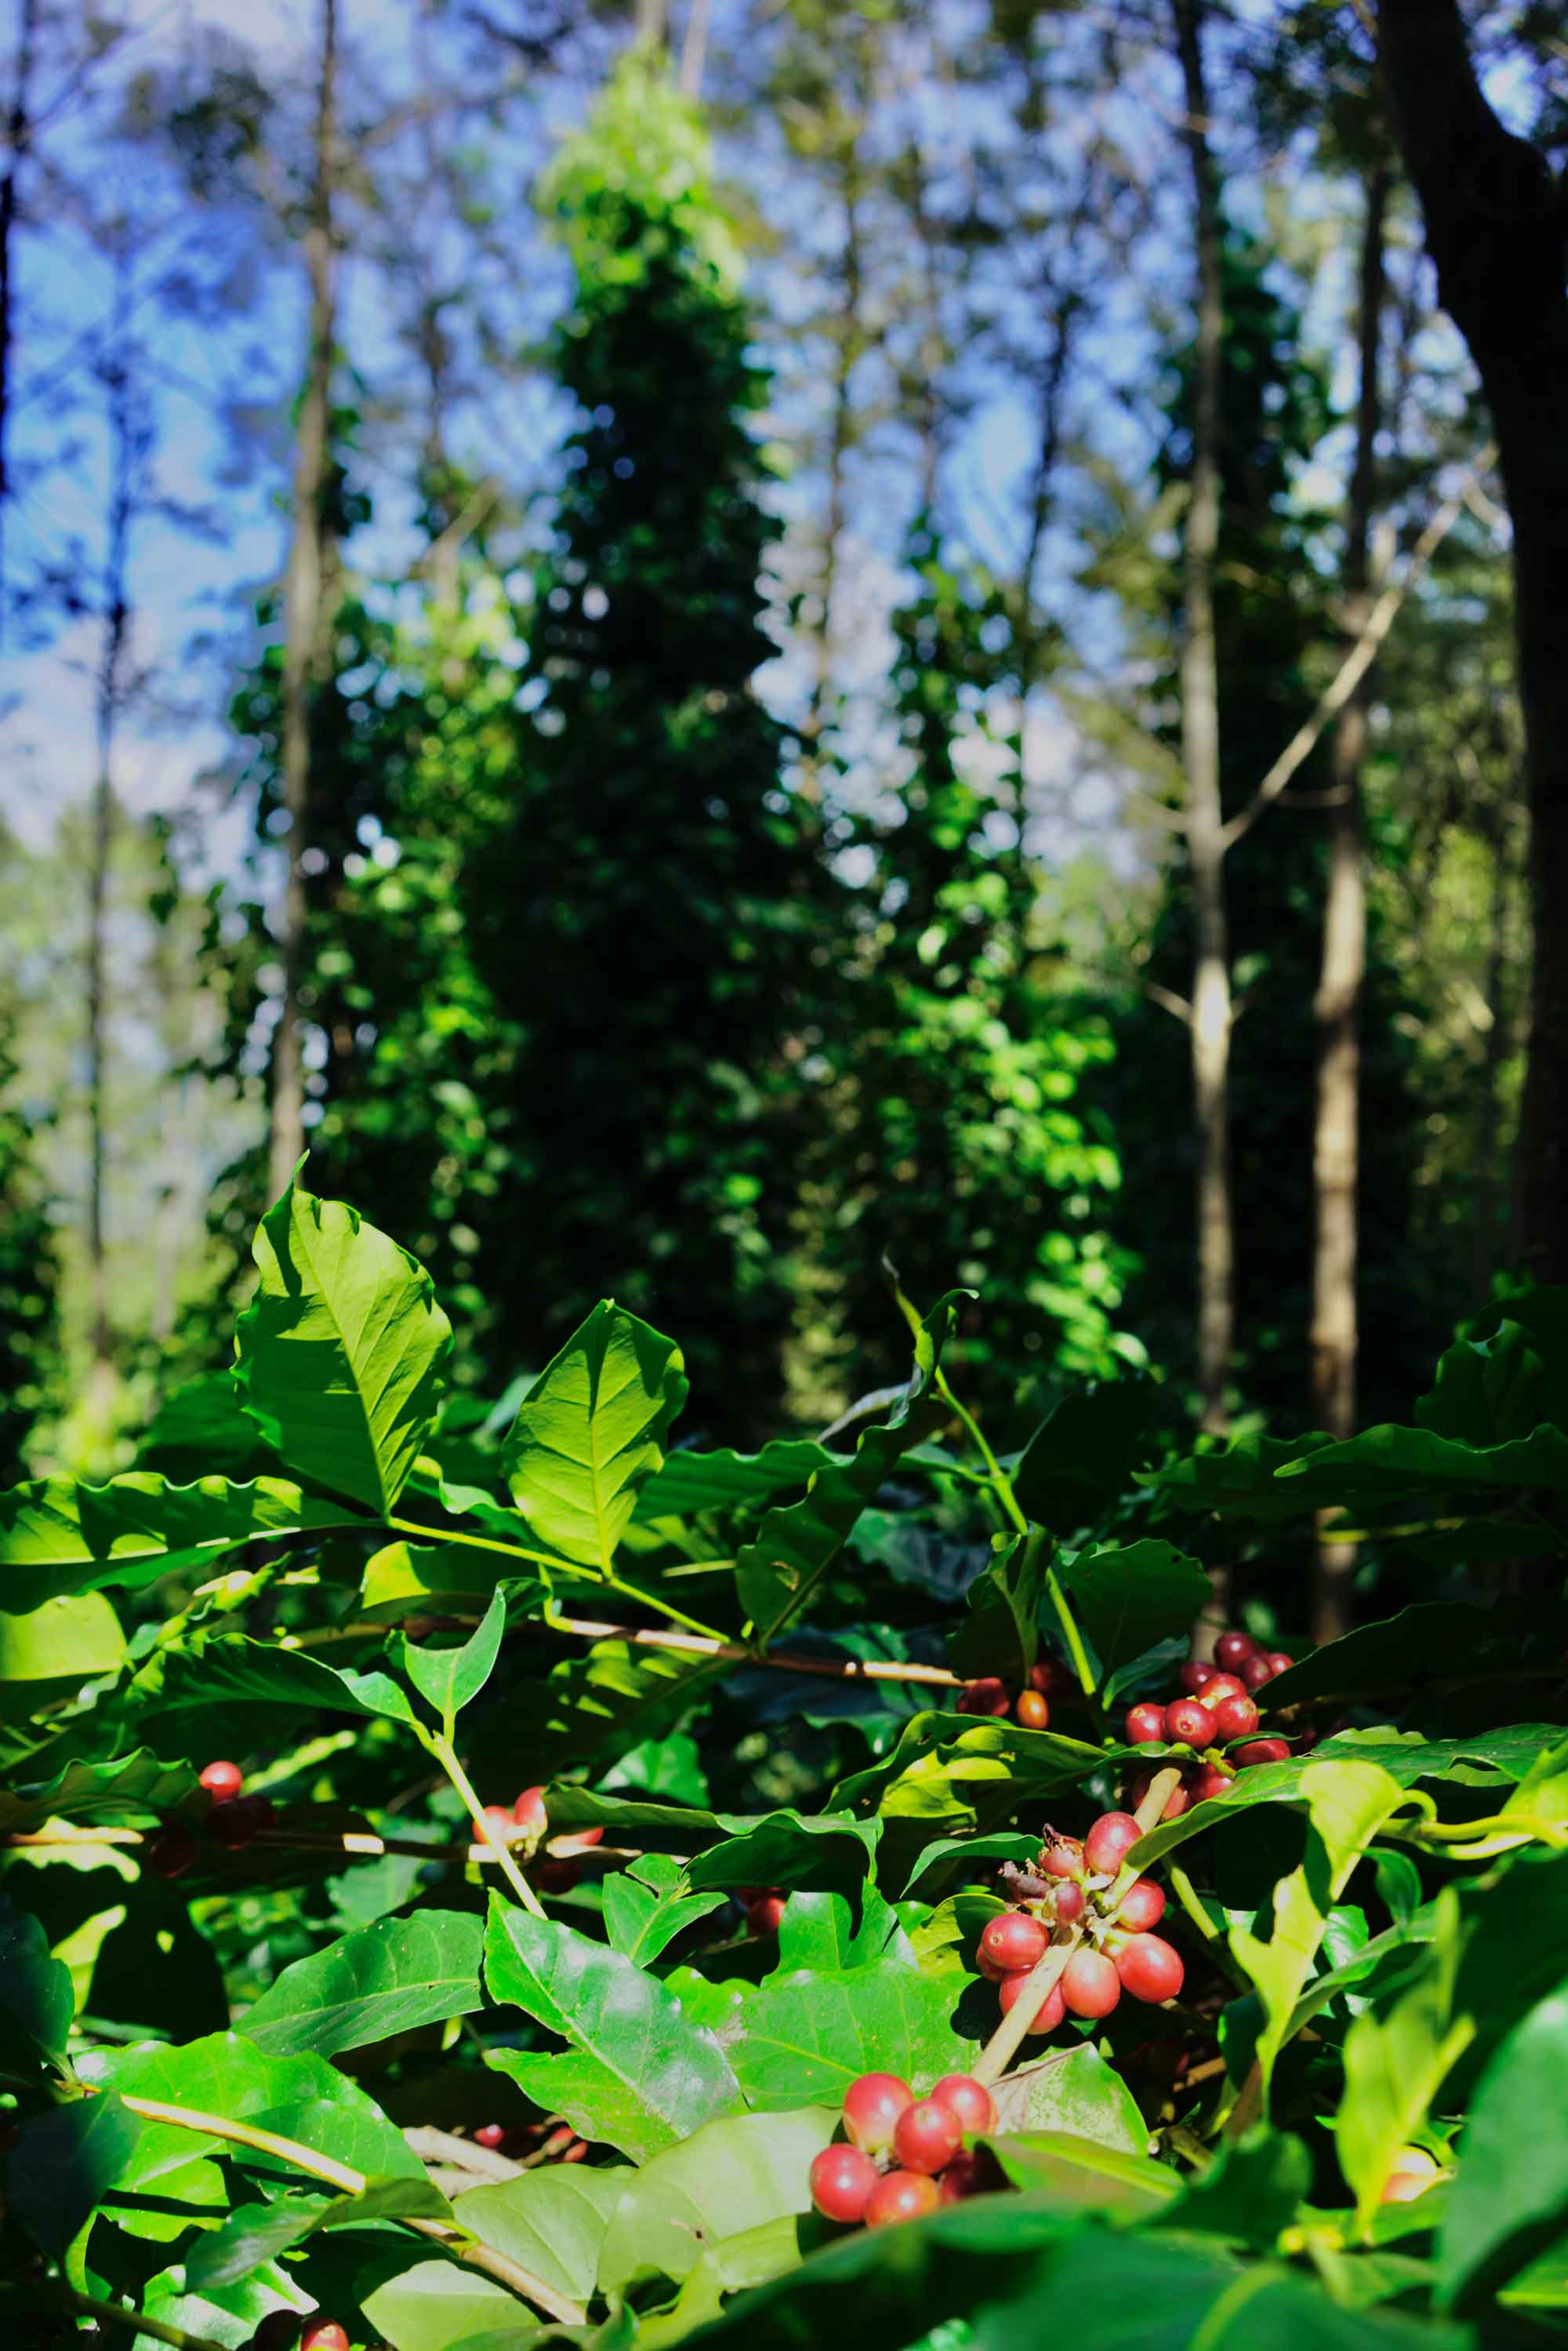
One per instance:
(307,605)
(1496,218)
(1210,1013)
(18,134)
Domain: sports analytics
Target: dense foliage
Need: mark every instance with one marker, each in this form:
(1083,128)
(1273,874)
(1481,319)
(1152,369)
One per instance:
(392,1953)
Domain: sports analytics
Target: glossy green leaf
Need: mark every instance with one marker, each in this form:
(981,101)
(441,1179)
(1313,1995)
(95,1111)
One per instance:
(201,1427)
(551,2221)
(590,1433)
(256,2233)
(972,1856)
(638,2074)
(217,1667)
(386,1977)
(1083,1454)
(1074,2093)
(37,2000)
(1396,2058)
(447,1678)
(1075,2170)
(644,1908)
(64,1642)
(830,1850)
(64,2162)
(728,2178)
(822,1930)
(1000,1634)
(805,2036)
(777,1573)
(340,1355)
(1250,2193)
(1510,2198)
(59,1537)
(726,1480)
(1401,1651)
(138,1789)
(1128,1596)
(434,2306)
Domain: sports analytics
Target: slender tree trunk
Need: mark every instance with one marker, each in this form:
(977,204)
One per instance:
(840,441)
(1497,229)
(694,51)
(1336,1137)
(107,703)
(1494,1052)
(1211,1006)
(18,129)
(303,602)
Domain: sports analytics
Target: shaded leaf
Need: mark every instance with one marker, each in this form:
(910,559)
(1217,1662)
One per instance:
(1074,2093)
(57,1537)
(1129,1596)
(728,2178)
(1083,1453)
(384,1978)
(552,2222)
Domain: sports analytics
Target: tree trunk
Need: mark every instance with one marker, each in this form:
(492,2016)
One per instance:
(1211,1007)
(18,129)
(840,438)
(1496,229)
(303,606)
(1489,1195)
(107,703)
(1336,1137)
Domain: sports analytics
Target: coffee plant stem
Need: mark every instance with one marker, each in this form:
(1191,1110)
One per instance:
(606,1579)
(1038,1984)
(116,2313)
(445,1754)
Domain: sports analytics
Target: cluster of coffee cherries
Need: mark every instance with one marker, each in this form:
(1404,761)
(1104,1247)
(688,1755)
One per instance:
(902,2156)
(232,1819)
(1219,1704)
(1072,1885)
(1031,1705)
(281,2330)
(525,1822)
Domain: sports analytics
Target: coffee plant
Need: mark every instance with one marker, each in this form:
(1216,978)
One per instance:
(502,1875)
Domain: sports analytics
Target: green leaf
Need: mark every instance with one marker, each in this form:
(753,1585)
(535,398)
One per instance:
(1401,1651)
(959,1855)
(58,1645)
(1073,2170)
(1083,1454)
(590,1433)
(64,2163)
(795,1546)
(1510,2198)
(644,1908)
(254,2234)
(139,1789)
(615,1697)
(805,2036)
(725,1481)
(37,2000)
(1129,1596)
(448,1679)
(1073,2093)
(819,1931)
(552,2222)
(830,1850)
(1002,1632)
(1251,2192)
(1240,1480)
(639,2075)
(1347,1804)
(434,2306)
(1395,2061)
(727,2178)
(340,1355)
(300,2097)
(383,1979)
(1516,1925)
(202,1427)
(57,1537)
(1390,1460)
(216,1667)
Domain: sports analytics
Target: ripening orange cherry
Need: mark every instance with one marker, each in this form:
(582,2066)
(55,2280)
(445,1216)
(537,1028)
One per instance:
(1031,1710)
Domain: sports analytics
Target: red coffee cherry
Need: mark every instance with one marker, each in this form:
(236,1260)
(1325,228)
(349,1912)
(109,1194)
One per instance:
(1176,1801)
(1261,1750)
(843,2179)
(961,2178)
(765,1915)
(1150,1968)
(1047,2018)
(171,1853)
(1220,1686)
(1050,1679)
(1070,1902)
(558,1876)
(985,1695)
(1196,1673)
(498,1820)
(1090,1984)
(1231,1649)
(1188,1723)
(1112,1837)
(969,2100)
(490,2135)
(583,1841)
(1236,1717)
(236,1821)
(1143,1906)
(1031,1710)
(1146,1722)
(278,2331)
(1255,1672)
(1012,1941)
(900,2196)
(1064,1858)
(926,2136)
(872,2104)
(1280,1663)
(223,1781)
(1210,1781)
(323,2335)
(528,1811)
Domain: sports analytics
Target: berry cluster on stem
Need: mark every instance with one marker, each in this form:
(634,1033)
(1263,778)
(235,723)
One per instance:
(1217,1716)
(901,2156)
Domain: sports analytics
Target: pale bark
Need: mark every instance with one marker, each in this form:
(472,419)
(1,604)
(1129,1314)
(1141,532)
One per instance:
(1336,1137)
(1496,222)
(304,617)
(1211,1017)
